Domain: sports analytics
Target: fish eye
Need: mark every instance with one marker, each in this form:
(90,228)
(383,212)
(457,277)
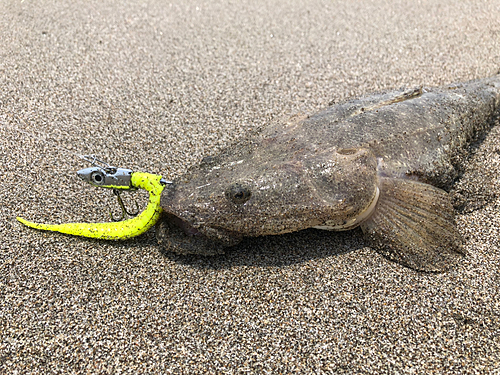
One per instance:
(238,193)
(97,177)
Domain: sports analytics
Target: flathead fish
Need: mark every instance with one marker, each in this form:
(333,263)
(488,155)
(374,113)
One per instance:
(384,162)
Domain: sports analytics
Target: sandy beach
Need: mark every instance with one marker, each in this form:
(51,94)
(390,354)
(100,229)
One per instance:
(155,86)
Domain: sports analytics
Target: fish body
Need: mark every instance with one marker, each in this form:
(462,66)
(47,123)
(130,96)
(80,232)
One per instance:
(384,162)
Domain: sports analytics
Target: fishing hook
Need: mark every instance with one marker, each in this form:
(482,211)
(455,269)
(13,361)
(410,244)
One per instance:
(125,213)
(92,159)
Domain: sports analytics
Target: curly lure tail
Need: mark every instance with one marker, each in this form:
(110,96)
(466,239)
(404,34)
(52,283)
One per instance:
(117,230)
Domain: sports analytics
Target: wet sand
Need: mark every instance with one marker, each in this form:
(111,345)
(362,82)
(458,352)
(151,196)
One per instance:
(156,86)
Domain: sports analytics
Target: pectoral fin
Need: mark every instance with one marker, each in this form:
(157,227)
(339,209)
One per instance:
(414,225)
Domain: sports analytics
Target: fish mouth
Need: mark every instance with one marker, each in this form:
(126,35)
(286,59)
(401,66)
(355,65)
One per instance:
(355,221)
(177,235)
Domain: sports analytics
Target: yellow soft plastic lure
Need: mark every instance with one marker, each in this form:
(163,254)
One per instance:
(118,179)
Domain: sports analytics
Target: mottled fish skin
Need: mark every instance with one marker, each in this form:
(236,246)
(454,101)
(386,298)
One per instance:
(383,162)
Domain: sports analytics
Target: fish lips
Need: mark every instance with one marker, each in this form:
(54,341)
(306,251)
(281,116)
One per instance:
(178,235)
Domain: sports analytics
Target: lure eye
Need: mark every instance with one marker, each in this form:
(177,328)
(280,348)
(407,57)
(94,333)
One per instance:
(238,193)
(97,177)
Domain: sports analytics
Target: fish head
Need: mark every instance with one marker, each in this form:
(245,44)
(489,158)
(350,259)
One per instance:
(266,191)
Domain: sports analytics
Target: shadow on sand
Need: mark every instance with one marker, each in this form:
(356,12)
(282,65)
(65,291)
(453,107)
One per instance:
(278,251)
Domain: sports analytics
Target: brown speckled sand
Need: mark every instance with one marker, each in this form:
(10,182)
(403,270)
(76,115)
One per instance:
(154,86)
